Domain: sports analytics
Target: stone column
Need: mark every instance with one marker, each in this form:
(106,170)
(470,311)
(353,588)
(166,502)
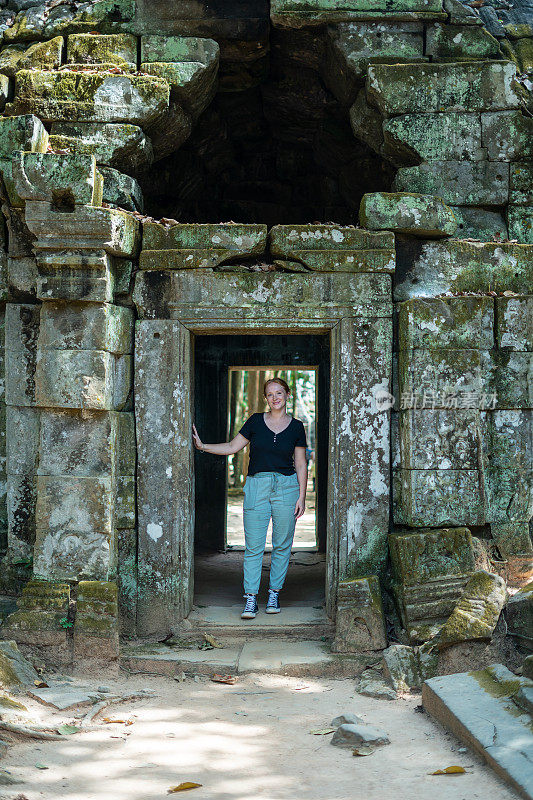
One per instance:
(164,422)
(360,445)
(84,444)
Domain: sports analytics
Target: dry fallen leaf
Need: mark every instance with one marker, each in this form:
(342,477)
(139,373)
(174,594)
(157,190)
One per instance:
(212,641)
(66,730)
(108,720)
(182,787)
(41,684)
(363,750)
(231,679)
(449,771)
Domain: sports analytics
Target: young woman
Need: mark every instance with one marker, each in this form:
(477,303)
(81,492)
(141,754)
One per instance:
(275,488)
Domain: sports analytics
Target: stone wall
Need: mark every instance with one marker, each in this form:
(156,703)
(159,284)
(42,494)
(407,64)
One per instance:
(440,95)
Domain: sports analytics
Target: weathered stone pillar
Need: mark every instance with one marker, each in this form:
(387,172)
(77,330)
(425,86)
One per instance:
(164,422)
(75,399)
(360,444)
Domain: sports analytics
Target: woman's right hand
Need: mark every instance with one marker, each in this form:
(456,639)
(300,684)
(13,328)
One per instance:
(197,441)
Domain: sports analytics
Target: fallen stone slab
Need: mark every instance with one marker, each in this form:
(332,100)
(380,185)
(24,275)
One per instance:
(15,670)
(401,667)
(372,685)
(354,735)
(480,708)
(477,612)
(64,695)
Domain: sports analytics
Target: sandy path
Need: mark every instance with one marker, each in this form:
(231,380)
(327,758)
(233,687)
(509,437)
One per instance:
(247,741)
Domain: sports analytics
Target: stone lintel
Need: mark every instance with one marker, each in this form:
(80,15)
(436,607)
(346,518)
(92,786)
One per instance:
(203,298)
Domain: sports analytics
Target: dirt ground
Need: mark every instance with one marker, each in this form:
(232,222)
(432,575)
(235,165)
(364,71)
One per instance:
(241,742)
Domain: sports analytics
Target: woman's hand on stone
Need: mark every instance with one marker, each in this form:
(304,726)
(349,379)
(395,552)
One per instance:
(197,441)
(299,509)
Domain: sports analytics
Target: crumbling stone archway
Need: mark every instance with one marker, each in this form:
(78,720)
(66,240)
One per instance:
(76,277)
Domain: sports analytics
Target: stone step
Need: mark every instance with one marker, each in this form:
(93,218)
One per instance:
(488,710)
(281,656)
(225,623)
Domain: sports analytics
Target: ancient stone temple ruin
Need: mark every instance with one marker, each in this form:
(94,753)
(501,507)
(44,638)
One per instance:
(348,181)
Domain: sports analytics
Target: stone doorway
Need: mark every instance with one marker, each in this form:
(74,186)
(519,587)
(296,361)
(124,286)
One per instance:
(354,310)
(217,569)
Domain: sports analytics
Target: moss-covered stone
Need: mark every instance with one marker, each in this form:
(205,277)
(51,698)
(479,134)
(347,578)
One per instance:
(298,13)
(28,26)
(433,497)
(521,52)
(519,616)
(512,539)
(448,136)
(19,133)
(521,183)
(439,439)
(440,374)
(106,16)
(514,323)
(88,48)
(457,42)
(456,322)
(15,670)
(63,180)
(459,183)
(179,49)
(121,191)
(507,136)
(360,623)
(507,457)
(239,238)
(480,224)
(353,46)
(41,55)
(367,122)
(467,86)
(416,214)
(430,554)
(520,219)
(288,239)
(456,265)
(89,97)
(507,376)
(115,145)
(191,83)
(477,612)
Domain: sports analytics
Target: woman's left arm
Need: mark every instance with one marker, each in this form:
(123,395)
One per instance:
(300,465)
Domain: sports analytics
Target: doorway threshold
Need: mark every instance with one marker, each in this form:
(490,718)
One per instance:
(294,622)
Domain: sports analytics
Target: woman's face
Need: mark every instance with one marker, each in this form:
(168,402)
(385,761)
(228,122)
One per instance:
(276,396)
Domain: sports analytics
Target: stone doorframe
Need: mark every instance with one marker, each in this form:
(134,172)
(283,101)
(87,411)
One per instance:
(356,309)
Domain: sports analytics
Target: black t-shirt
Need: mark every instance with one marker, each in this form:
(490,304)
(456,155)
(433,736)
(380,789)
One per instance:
(267,455)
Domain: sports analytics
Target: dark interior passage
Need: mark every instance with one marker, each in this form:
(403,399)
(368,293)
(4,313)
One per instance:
(275,145)
(213,356)
(218,582)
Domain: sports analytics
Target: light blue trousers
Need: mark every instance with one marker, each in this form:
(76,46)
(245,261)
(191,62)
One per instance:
(266,495)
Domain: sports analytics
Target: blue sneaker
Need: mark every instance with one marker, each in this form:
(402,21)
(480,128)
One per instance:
(250,607)
(272,606)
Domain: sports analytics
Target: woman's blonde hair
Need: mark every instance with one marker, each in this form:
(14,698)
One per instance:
(276,380)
